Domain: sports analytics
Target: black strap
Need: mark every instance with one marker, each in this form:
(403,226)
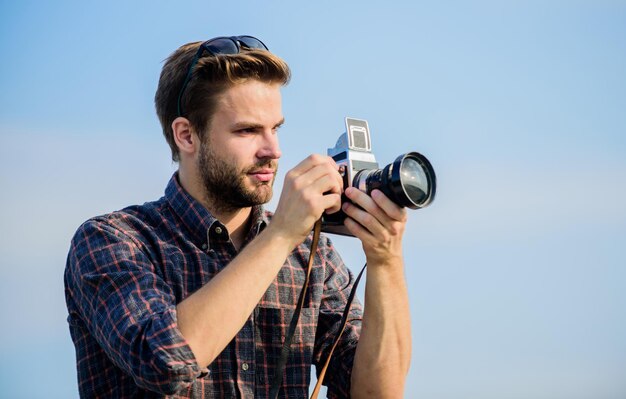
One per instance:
(344,321)
(278,374)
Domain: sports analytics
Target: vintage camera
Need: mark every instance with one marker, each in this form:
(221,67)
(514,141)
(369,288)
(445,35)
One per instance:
(409,181)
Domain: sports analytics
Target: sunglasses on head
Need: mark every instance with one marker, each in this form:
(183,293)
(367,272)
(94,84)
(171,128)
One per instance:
(218,46)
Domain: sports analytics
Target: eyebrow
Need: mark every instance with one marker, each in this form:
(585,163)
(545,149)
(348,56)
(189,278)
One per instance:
(254,125)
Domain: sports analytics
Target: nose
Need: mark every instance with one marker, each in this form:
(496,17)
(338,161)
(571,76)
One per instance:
(269,147)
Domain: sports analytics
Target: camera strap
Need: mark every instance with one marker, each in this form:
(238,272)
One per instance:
(278,374)
(344,321)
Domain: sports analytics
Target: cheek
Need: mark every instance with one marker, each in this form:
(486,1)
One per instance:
(245,152)
(238,158)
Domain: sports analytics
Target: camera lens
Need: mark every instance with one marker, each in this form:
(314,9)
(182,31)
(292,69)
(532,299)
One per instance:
(409,181)
(413,180)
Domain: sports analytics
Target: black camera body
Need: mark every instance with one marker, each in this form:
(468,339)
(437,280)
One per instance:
(409,181)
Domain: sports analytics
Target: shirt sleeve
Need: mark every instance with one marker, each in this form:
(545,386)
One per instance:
(128,308)
(339,281)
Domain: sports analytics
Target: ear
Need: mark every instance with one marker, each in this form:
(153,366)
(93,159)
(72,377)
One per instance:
(185,137)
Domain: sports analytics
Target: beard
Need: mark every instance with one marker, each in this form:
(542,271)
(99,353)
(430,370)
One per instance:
(224,184)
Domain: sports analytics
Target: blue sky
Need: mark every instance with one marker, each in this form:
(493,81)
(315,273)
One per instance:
(515,272)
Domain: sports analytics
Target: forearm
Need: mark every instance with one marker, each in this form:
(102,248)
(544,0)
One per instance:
(212,316)
(384,350)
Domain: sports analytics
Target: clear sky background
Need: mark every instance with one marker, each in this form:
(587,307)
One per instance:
(516,272)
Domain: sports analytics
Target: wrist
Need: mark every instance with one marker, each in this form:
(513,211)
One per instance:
(281,237)
(386,260)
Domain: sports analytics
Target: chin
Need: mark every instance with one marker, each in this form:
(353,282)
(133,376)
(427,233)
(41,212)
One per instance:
(266,196)
(261,194)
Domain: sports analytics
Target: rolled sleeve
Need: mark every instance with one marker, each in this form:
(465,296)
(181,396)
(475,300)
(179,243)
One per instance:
(126,306)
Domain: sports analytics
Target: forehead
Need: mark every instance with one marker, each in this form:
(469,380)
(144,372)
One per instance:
(251,99)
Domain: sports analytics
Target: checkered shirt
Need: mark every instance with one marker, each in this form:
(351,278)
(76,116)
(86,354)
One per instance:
(127,270)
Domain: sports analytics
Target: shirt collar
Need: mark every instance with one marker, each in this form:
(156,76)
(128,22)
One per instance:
(198,220)
(260,219)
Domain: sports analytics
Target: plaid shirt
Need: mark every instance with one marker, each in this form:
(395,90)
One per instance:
(127,270)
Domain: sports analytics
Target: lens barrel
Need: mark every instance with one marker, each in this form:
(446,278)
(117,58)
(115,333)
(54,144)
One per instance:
(409,181)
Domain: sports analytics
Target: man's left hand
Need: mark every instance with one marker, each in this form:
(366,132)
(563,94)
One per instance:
(379,224)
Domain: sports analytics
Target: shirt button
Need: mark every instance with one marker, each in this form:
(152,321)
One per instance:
(245,367)
(218,230)
(204,246)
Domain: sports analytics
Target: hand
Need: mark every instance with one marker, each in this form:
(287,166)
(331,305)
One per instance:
(311,188)
(379,225)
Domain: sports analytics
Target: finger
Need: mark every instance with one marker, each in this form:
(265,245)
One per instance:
(391,209)
(367,203)
(339,177)
(325,185)
(320,178)
(331,203)
(358,231)
(364,218)
(310,162)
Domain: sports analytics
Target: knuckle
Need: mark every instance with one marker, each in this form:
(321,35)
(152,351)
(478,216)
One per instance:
(297,184)
(395,230)
(339,182)
(347,209)
(309,200)
(368,218)
(385,238)
(316,158)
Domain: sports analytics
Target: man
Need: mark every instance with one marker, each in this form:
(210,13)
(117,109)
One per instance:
(191,295)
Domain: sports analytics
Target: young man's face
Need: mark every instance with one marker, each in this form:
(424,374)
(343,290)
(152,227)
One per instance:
(239,153)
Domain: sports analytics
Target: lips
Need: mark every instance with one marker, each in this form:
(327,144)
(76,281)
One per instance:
(263,175)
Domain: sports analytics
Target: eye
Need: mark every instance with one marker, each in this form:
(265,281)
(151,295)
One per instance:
(247,130)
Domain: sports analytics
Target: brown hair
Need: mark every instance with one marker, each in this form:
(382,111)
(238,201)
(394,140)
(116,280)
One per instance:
(211,76)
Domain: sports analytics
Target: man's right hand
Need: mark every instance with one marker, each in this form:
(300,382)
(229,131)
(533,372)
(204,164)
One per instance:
(314,186)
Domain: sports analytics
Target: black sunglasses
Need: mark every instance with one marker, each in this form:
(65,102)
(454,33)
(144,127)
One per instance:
(217,46)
